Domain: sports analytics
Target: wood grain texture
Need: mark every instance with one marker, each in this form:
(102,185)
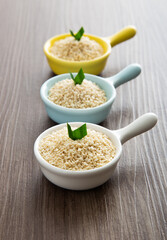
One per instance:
(133,203)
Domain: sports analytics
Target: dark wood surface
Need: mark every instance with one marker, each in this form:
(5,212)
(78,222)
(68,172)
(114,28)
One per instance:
(133,203)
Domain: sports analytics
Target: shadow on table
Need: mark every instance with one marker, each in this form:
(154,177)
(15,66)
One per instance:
(49,75)
(77,206)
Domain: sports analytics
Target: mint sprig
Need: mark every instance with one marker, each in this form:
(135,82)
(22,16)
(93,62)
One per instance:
(78,35)
(78,133)
(79,77)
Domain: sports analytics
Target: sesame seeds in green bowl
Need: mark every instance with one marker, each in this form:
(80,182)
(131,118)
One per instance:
(80,106)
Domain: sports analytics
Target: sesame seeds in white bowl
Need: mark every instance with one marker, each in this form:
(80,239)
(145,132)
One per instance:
(83,179)
(92,151)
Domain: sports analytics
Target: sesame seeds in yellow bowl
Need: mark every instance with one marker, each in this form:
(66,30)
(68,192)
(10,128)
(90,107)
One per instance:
(92,62)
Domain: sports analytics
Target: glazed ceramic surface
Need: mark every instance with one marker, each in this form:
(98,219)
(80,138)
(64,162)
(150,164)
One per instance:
(94,66)
(61,114)
(83,180)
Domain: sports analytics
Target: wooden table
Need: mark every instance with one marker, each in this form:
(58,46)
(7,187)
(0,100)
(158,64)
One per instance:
(133,203)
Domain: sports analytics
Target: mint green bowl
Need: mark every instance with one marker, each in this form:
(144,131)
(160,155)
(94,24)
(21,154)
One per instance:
(98,114)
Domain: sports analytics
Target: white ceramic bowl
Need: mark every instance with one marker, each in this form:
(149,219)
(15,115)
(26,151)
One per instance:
(83,180)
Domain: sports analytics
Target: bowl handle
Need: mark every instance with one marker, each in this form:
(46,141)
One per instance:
(127,74)
(140,125)
(123,35)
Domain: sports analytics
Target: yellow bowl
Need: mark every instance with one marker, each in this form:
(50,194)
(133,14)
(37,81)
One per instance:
(94,66)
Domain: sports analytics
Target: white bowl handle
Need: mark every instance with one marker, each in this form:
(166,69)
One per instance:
(140,125)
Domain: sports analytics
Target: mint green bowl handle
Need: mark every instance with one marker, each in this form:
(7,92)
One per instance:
(127,74)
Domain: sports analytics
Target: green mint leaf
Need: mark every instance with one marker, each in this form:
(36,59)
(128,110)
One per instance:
(72,77)
(79,77)
(78,35)
(78,133)
(72,33)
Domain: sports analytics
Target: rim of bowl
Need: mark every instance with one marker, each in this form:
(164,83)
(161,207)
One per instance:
(56,106)
(51,56)
(61,171)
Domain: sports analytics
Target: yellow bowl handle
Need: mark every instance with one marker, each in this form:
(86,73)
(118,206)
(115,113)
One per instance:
(123,35)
